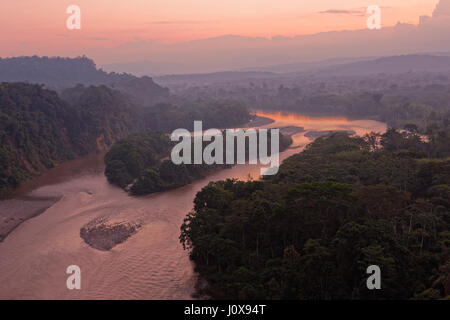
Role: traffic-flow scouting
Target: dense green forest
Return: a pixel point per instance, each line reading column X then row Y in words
column 40, row 128
column 129, row 157
column 399, row 99
column 310, row 231
column 140, row 164
column 214, row 113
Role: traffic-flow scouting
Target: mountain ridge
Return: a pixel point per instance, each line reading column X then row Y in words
column 60, row 73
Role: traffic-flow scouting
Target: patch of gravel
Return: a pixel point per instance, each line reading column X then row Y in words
column 317, row 134
column 258, row 121
column 291, row 130
column 104, row 235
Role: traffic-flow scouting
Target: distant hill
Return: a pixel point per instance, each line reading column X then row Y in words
column 394, row 64
column 279, row 53
column 349, row 66
column 59, row 73
column 210, row 78
column 308, row 66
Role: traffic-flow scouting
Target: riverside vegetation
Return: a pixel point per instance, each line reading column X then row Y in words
column 311, row 231
column 40, row 128
column 138, row 163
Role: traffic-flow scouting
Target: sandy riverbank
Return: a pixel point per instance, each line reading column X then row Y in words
column 15, row 211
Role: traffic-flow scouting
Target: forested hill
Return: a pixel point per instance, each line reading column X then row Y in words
column 39, row 130
column 57, row 72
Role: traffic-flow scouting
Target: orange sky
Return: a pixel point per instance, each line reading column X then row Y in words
column 38, row 26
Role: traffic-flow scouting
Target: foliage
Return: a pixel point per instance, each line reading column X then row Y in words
column 129, row 157
column 213, row 114
column 40, row 129
column 137, row 164
column 311, row 231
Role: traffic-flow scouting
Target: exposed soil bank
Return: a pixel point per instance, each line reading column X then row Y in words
column 15, row 211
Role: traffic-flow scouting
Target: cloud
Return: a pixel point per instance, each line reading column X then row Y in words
column 98, row 39
column 441, row 15
column 442, row 9
column 338, row 11
column 178, row 22
column 240, row 52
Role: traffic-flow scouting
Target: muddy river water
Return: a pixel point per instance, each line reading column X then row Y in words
column 149, row 265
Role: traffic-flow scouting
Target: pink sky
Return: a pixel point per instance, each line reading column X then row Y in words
column 30, row 27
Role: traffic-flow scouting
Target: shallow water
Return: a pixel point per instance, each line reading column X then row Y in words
column 149, row 265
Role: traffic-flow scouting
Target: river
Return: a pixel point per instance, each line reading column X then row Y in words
column 149, row 265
